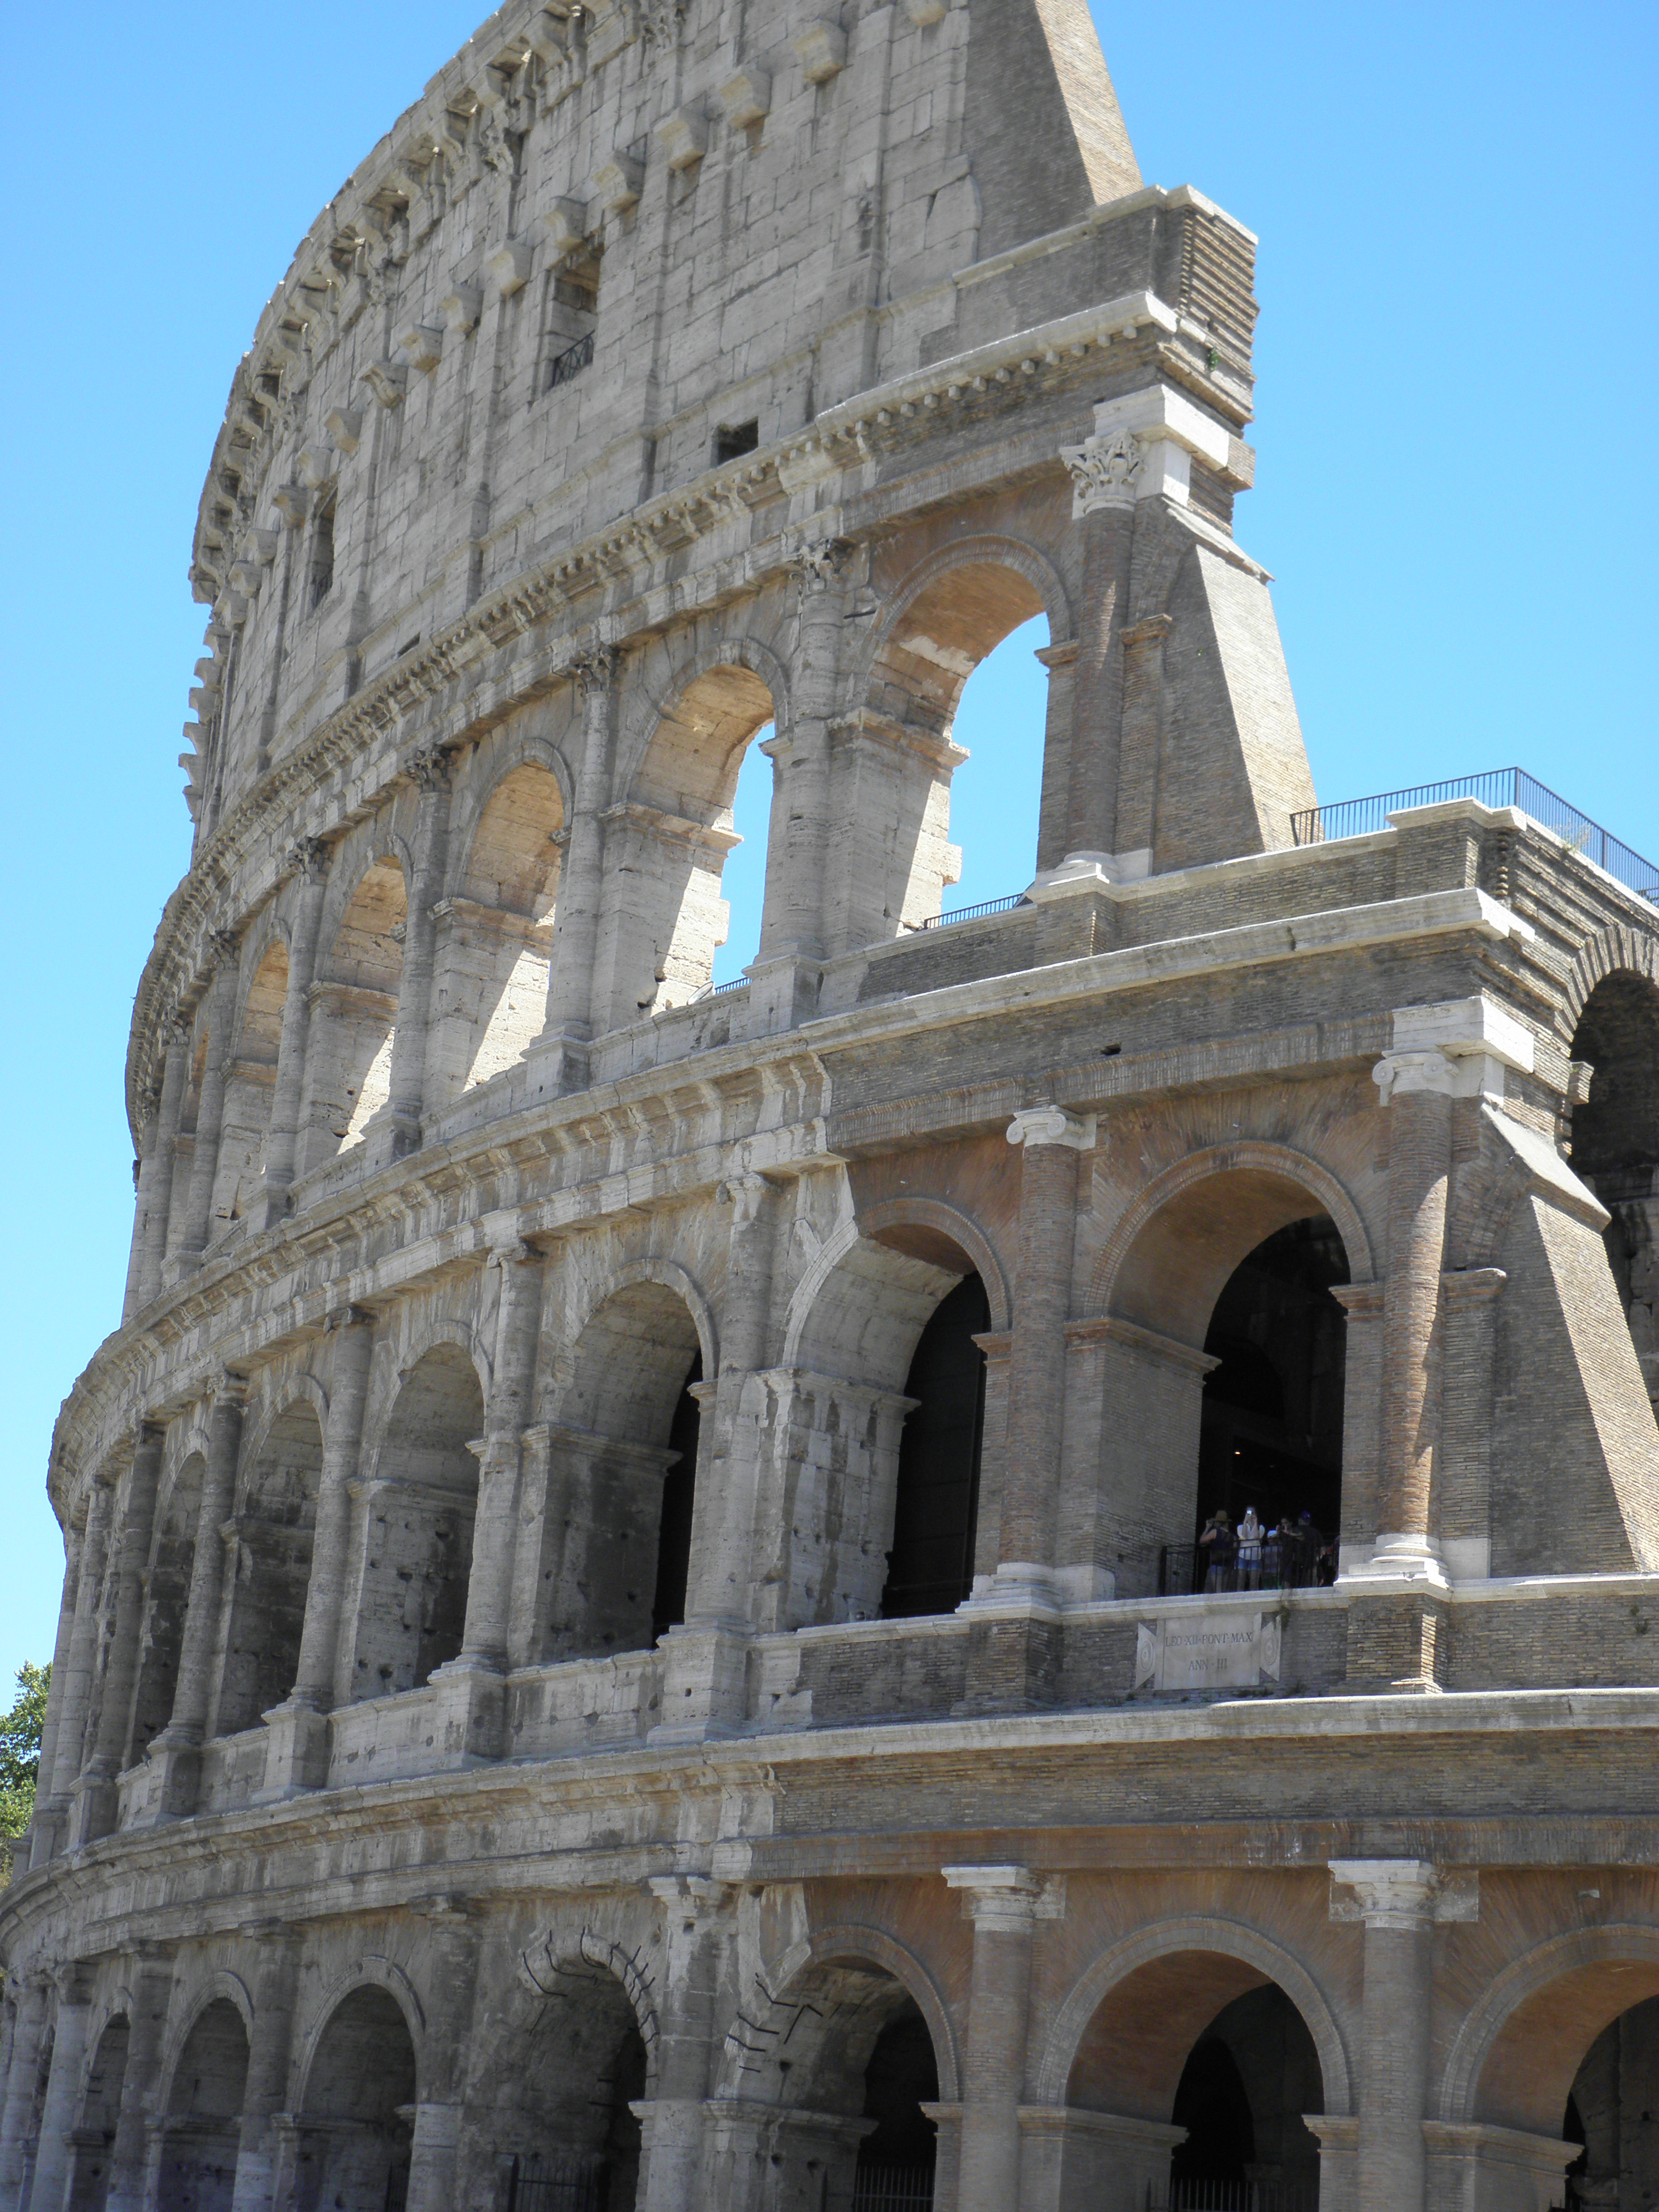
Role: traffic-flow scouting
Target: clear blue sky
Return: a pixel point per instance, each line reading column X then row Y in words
column 1456, row 471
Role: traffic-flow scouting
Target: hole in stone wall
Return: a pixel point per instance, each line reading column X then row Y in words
column 733, row 440
column 679, row 1500
column 1000, row 721
column 897, row 2160
column 931, row 1565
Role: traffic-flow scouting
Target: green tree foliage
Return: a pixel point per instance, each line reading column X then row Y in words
column 20, row 1749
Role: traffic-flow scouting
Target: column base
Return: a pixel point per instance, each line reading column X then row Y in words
column 1398, row 1645
column 175, row 1771
column 1069, row 2156
column 269, row 1208
column 432, row 2157
column 48, row 1830
column 392, row 1134
column 97, row 1808
column 671, row 2152
column 178, row 1268
column 558, row 1064
column 1399, row 1562
column 472, row 1712
column 296, row 1752
column 705, row 1684
column 783, row 992
column 1015, row 1641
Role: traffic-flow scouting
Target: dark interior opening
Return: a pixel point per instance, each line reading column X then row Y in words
column 1213, row 2107
column 1249, row 2079
column 733, row 440
column 930, row 1568
column 322, row 553
column 902, row 2076
column 1272, row 1430
column 678, row 1498
column 1613, row 2111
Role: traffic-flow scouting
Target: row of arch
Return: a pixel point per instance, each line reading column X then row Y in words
column 1195, row 2050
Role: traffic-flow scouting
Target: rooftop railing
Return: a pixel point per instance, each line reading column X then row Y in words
column 971, row 913
column 1497, row 787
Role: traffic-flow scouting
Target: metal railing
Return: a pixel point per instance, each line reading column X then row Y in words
column 1497, row 787
column 571, row 363
column 893, row 2188
column 1233, row 2197
column 971, row 913
column 1272, row 1563
column 534, row 2184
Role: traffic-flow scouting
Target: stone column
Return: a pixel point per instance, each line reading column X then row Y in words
column 68, row 2050
column 406, row 1083
column 210, row 1109
column 1140, row 735
column 703, row 1685
column 98, row 1799
column 576, row 920
column 70, row 1751
column 1002, row 1902
column 151, row 1983
column 1054, row 1141
column 269, row 2046
column 1398, row 1901
column 797, row 923
column 1059, row 731
column 310, row 863
column 1469, row 1305
column 42, row 1827
column 155, row 1176
column 297, row 1753
column 449, row 1989
column 34, row 2006
column 178, row 1747
column 490, row 1586
column 694, row 1930
column 1103, row 500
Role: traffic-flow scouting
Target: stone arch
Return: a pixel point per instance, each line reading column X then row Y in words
column 201, row 2106
column 588, row 1954
column 988, row 550
column 270, row 1571
column 250, row 1072
column 355, row 1003
column 219, row 1986
column 1618, row 949
column 1514, row 2057
column 404, row 1361
column 1275, row 1163
column 881, row 1283
column 291, row 1388
column 421, row 1504
column 473, row 799
column 896, row 1214
column 621, row 1464
column 667, row 839
column 853, row 1940
column 372, row 1970
column 360, row 2077
column 171, row 1558
column 1260, row 1959
column 651, row 706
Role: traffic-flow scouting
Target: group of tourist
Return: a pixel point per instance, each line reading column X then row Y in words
column 1291, row 1554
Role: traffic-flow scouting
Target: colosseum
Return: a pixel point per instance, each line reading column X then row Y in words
column 1004, row 1567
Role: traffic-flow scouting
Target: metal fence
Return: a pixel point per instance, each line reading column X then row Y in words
column 571, row 363
column 972, row 913
column 1233, row 2197
column 1273, row 1563
column 533, row 2184
column 1497, row 787
column 893, row 2188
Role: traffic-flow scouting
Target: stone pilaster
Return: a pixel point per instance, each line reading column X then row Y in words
column 576, row 922
column 270, row 2047
column 489, row 1589
column 151, row 1983
column 1002, row 1902
column 797, row 923
column 310, row 861
column 210, row 1111
column 1469, row 1309
column 695, row 1929
column 1398, row 1901
column 1103, row 502
column 406, row 1086
column 155, row 1175
column 96, row 1792
column 46, row 1818
column 70, row 1751
column 297, row 1754
column 68, row 2050
column 451, row 1986
column 33, row 2013
column 178, row 1747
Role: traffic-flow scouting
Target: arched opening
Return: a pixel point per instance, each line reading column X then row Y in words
column 100, row 2109
column 250, row 1084
column 743, row 878
column 1270, row 1442
column 355, row 2128
column 271, row 1570
column 830, row 2096
column 665, row 849
column 203, row 2116
column 421, row 1505
column 558, row 2126
column 495, row 936
column 618, row 1522
column 1616, row 1146
column 354, row 1014
column 930, row 1565
column 1226, row 1274
column 1613, row 2114
column 996, row 795
column 1217, row 2057
column 172, row 1557
column 879, row 1436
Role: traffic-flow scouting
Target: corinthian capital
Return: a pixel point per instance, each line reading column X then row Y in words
column 818, row 562
column 594, row 671
column 1105, row 472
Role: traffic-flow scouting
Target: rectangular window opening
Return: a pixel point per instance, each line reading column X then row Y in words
column 733, row 440
column 322, row 553
column 573, row 309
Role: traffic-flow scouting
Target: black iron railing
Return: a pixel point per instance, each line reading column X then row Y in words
column 972, row 913
column 535, row 2183
column 1272, row 1563
column 893, row 2188
column 1497, row 787
column 571, row 363
column 1233, row 2197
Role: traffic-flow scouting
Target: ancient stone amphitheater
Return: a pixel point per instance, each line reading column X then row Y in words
column 639, row 1629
